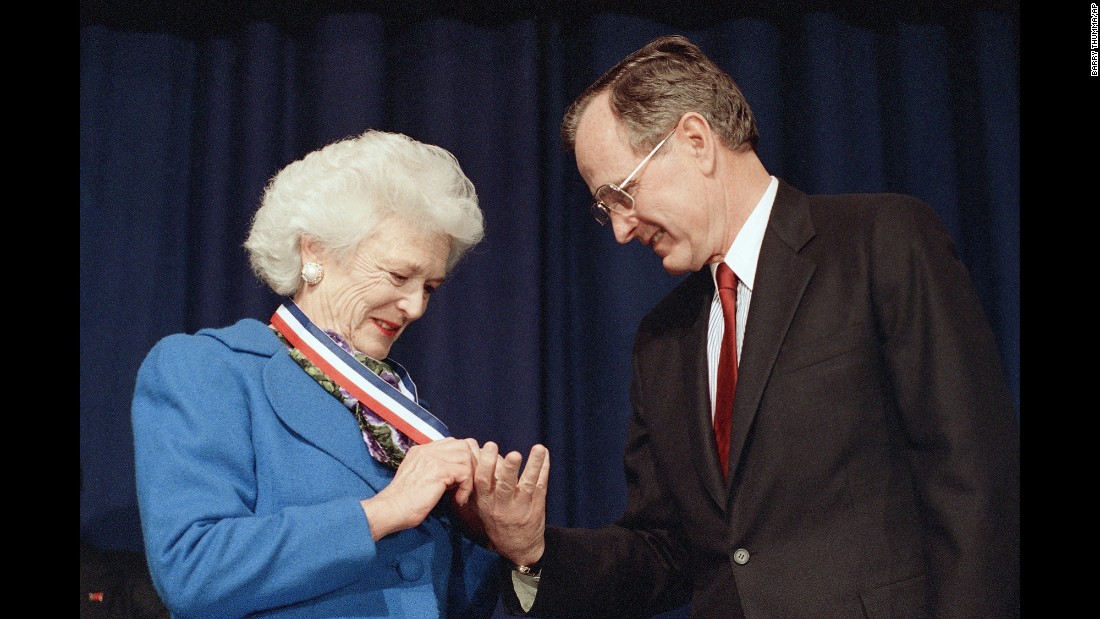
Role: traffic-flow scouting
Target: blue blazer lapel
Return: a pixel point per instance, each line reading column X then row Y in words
column 317, row 417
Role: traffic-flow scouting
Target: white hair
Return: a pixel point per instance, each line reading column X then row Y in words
column 337, row 195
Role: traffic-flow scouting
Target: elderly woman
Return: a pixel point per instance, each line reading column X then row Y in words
column 287, row 469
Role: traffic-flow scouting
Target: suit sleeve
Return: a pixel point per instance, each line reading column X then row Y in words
column 956, row 411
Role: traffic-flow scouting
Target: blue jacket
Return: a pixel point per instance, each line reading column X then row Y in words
column 249, row 482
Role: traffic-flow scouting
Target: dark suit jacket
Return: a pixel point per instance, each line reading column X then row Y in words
column 875, row 446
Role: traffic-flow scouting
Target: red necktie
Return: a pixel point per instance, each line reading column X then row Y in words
column 727, row 365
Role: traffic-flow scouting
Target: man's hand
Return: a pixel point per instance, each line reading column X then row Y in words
column 512, row 507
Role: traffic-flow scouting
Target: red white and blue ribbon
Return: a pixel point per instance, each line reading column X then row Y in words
column 339, row 365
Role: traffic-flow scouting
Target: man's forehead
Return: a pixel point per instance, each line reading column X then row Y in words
column 597, row 121
column 601, row 139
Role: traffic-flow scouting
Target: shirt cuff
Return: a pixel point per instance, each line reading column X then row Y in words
column 526, row 587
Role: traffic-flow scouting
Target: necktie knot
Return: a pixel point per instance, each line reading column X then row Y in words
column 726, row 278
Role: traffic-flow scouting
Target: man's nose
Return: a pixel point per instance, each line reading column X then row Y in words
column 624, row 225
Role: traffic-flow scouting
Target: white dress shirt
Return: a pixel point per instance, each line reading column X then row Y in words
column 741, row 257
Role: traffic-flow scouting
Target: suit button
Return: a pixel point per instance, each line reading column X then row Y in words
column 741, row 556
column 410, row 568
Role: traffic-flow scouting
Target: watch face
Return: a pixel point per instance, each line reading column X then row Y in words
column 529, row 570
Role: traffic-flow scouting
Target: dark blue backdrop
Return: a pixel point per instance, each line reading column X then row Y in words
column 185, row 112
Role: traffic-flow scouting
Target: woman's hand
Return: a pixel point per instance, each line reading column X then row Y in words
column 468, row 511
column 426, row 473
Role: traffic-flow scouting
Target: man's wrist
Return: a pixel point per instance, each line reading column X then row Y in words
column 529, row 569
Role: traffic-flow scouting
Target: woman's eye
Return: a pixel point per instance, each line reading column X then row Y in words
column 399, row 278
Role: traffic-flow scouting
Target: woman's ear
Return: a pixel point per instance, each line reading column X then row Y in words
column 310, row 250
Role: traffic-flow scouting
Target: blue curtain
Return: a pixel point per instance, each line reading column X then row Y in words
column 529, row 341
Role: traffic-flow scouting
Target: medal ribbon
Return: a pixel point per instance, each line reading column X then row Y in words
column 373, row 392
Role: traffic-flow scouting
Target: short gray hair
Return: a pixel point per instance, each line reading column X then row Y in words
column 337, row 195
column 654, row 86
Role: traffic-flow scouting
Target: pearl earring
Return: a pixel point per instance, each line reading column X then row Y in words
column 312, row 273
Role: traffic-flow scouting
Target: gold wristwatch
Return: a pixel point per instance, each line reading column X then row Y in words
column 534, row 570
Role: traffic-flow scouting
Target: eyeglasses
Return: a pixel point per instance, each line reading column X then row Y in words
column 612, row 197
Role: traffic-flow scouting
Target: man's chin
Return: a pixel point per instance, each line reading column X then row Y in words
column 675, row 267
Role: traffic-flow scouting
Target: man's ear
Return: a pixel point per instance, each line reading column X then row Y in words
column 701, row 140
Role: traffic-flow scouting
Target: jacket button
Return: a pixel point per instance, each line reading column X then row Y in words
column 741, row 556
column 410, row 568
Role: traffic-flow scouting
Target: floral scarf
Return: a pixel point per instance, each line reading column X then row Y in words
column 386, row 443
